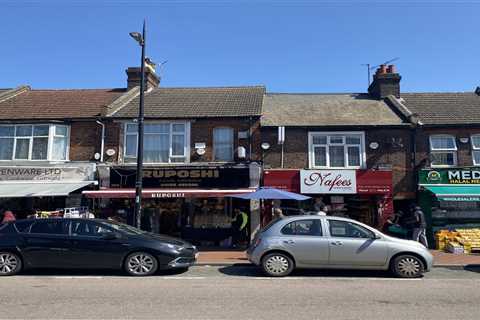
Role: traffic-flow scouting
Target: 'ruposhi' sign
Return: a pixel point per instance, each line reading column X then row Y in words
column 328, row 181
column 183, row 177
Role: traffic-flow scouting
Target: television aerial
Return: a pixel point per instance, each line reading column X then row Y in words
column 370, row 68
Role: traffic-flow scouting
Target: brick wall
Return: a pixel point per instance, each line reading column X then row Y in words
column 464, row 153
column 391, row 153
column 84, row 140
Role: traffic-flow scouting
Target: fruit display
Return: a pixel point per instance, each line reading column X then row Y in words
column 459, row 240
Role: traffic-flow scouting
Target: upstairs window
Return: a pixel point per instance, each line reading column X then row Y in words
column 223, row 144
column 34, row 142
column 476, row 149
column 336, row 150
column 163, row 142
column 443, row 151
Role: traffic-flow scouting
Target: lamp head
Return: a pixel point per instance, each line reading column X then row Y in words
column 137, row 36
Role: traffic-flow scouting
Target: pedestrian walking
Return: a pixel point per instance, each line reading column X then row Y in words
column 278, row 214
column 322, row 211
column 420, row 227
column 239, row 227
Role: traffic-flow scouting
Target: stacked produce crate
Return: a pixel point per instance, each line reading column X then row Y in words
column 459, row 240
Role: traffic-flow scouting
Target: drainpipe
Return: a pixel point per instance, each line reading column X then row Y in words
column 102, row 146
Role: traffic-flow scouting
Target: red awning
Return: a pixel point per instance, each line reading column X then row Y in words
column 116, row 193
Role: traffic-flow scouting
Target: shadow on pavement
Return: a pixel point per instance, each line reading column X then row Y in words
column 472, row 268
column 252, row 271
column 90, row 273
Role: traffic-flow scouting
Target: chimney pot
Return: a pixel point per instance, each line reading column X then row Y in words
column 382, row 69
column 392, row 69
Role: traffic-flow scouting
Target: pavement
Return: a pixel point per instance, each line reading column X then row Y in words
column 240, row 292
column 230, row 257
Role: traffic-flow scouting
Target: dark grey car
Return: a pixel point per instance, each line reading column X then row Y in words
column 334, row 243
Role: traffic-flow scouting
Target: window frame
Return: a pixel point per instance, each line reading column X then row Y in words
column 68, row 234
column 373, row 234
column 32, row 136
column 475, row 149
column 433, row 151
column 102, row 225
column 186, row 148
column 232, row 147
column 344, row 135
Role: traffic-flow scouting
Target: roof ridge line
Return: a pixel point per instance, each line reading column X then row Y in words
column 13, row 93
column 119, row 103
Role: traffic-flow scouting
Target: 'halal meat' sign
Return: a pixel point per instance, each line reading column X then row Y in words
column 328, row 181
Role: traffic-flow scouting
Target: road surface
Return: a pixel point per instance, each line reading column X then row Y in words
column 236, row 292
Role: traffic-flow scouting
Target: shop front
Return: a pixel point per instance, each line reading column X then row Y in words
column 188, row 202
column 363, row 195
column 29, row 189
column 450, row 198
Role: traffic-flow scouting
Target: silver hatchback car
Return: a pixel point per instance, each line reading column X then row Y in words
column 334, row 243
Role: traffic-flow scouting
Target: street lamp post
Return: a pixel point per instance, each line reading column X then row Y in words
column 140, row 38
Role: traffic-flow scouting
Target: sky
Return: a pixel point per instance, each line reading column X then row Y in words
column 286, row 45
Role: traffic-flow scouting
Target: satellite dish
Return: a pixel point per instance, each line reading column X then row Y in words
column 265, row 146
column 110, row 152
column 201, row 151
column 96, row 156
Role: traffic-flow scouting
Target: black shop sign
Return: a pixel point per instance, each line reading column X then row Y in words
column 185, row 177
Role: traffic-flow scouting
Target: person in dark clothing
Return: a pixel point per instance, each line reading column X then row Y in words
column 239, row 226
column 420, row 227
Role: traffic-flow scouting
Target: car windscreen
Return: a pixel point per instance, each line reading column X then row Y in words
column 125, row 228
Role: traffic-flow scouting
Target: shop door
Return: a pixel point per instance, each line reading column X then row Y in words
column 305, row 241
column 352, row 244
column 47, row 245
column 92, row 249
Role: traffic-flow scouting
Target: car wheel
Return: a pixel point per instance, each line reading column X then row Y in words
column 407, row 266
column 277, row 264
column 10, row 264
column 141, row 264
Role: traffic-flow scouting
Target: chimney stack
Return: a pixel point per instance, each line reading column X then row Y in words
column 134, row 77
column 386, row 81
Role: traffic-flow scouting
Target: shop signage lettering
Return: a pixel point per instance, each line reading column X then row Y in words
column 54, row 173
column 209, row 173
column 168, row 195
column 183, row 177
column 450, row 176
column 328, row 181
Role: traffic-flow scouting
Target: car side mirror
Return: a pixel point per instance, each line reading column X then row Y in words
column 376, row 237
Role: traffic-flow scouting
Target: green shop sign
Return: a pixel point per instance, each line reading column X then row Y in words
column 450, row 176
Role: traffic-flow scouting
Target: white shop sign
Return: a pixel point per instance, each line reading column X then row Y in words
column 328, row 181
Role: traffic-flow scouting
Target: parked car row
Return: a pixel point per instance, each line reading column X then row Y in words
column 283, row 245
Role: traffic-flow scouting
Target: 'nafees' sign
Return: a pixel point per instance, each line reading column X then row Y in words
column 328, row 181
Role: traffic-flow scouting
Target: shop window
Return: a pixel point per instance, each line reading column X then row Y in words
column 34, row 142
column 345, row 229
column 476, row 149
column 443, row 151
column 163, row 142
column 223, row 144
column 303, row 228
column 336, row 150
